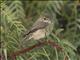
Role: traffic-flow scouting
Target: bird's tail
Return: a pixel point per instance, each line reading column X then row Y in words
column 24, row 41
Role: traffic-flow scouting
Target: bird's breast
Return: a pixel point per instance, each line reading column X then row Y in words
column 41, row 33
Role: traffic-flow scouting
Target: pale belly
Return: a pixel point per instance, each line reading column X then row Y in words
column 39, row 34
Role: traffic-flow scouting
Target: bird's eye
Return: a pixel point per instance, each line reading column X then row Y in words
column 45, row 18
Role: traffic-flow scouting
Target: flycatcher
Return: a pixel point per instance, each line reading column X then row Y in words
column 40, row 29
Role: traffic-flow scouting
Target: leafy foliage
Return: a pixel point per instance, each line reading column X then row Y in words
column 16, row 16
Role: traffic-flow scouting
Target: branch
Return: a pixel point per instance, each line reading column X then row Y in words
column 22, row 51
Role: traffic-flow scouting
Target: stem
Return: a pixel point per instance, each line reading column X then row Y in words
column 22, row 51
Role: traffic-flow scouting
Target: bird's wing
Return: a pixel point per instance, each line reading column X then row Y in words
column 36, row 26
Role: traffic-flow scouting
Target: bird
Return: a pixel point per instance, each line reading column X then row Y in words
column 40, row 29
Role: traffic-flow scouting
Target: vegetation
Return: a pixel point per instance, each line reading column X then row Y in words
column 19, row 16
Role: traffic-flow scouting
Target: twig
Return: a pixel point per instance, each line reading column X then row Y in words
column 22, row 51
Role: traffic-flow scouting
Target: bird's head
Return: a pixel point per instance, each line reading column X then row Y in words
column 45, row 19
